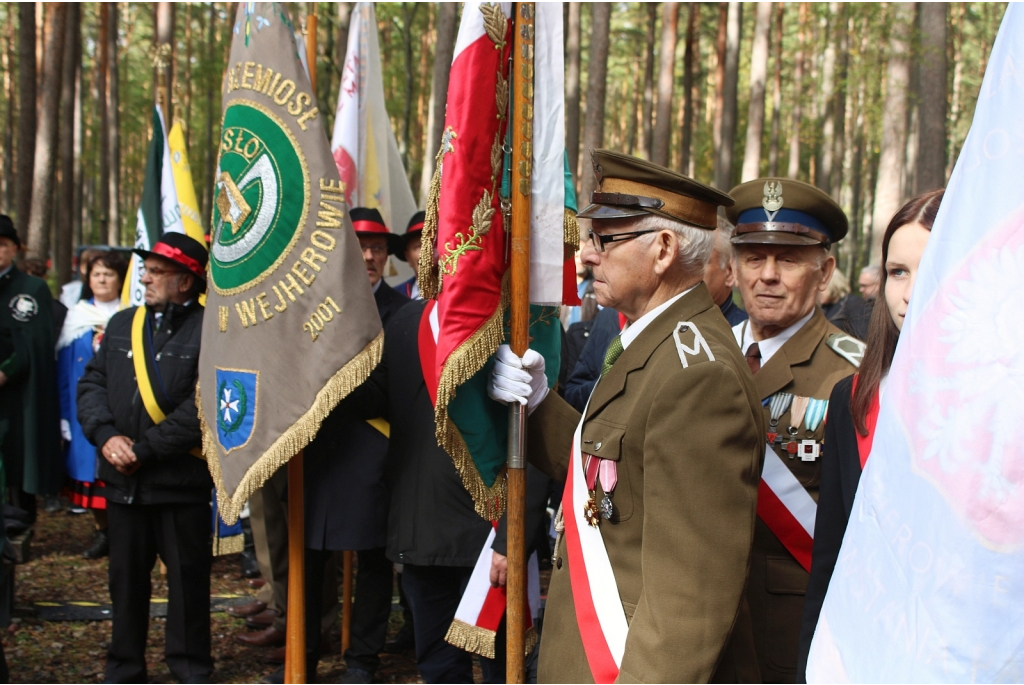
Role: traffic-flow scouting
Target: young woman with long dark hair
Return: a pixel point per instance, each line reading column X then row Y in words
column 853, row 406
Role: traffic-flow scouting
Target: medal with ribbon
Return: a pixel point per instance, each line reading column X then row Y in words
column 777, row 406
column 605, row 472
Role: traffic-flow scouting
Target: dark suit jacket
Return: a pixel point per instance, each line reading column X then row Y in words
column 431, row 518
column 346, row 498
column 840, row 475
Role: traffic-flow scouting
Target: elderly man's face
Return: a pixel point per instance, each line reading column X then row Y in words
column 165, row 282
column 780, row 283
column 8, row 250
column 868, row 283
column 375, row 256
column 624, row 276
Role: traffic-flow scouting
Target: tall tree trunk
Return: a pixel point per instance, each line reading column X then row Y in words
column 188, row 71
column 208, row 150
column 688, row 100
column 773, row 149
column 444, row 49
column 723, row 159
column 102, row 97
column 572, row 89
column 823, row 171
column 647, row 111
column 842, row 86
column 662, row 138
column 78, row 141
column 597, row 79
column 26, row 115
column 931, row 149
column 164, row 70
column 344, row 17
column 9, row 95
column 41, row 213
column 720, row 43
column 888, row 193
column 408, row 17
column 958, row 11
column 758, row 79
column 113, row 147
column 798, row 78
column 64, row 226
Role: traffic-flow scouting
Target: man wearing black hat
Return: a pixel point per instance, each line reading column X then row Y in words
column 783, row 232
column 410, row 254
column 29, row 426
column 346, row 496
column 136, row 402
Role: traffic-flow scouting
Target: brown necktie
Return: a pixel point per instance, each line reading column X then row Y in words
column 754, row 358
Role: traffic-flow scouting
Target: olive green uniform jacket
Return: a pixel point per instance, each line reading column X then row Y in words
column 806, row 366
column 689, row 444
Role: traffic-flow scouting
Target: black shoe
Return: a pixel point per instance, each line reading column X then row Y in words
column 275, row 678
column 100, row 546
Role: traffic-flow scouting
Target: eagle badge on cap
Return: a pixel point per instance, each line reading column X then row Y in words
column 772, row 201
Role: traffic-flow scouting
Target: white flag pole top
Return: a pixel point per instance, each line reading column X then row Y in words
column 363, row 144
column 929, row 586
column 547, row 195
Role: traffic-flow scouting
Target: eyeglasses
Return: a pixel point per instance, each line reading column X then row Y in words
column 599, row 241
column 375, row 249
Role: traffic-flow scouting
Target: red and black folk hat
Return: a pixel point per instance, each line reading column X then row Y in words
column 415, row 230
column 368, row 223
column 180, row 249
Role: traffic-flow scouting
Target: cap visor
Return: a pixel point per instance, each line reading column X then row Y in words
column 610, row 212
column 775, row 238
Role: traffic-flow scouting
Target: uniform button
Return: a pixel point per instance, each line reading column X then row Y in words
column 558, row 562
column 597, row 446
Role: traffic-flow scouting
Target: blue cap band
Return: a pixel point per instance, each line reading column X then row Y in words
column 757, row 215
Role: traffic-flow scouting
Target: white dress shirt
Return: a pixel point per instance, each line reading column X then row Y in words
column 768, row 346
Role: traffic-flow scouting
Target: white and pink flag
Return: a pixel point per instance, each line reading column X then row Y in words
column 363, row 144
column 929, row 584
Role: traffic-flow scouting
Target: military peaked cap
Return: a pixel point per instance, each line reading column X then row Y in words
column 629, row 186
column 781, row 211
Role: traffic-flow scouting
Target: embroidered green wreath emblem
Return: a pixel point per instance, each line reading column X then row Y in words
column 233, row 425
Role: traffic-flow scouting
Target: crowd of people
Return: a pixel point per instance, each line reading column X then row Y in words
column 715, row 335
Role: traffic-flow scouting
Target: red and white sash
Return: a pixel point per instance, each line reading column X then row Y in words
column 482, row 607
column 786, row 508
column 599, row 613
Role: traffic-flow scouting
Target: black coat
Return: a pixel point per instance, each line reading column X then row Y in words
column 346, row 498
column 850, row 313
column 583, row 376
column 431, row 520
column 840, row 475
column 109, row 404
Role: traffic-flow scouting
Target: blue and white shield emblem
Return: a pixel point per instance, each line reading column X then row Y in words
column 236, row 406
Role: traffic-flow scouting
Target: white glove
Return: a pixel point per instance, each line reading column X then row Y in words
column 518, row 380
column 65, row 430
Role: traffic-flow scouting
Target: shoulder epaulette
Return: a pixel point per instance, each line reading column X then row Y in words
column 847, row 347
column 690, row 343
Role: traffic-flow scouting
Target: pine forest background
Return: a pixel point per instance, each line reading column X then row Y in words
column 870, row 102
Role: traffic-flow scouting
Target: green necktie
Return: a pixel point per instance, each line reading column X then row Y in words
column 613, row 353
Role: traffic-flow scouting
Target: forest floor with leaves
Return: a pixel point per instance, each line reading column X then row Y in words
column 75, row 651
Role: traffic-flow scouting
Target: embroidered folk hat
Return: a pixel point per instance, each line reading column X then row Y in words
column 180, row 249
column 368, row 222
column 781, row 211
column 629, row 186
column 7, row 229
column 415, row 230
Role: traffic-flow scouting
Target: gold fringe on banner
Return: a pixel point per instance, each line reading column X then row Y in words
column 426, row 271
column 570, row 232
column 233, row 544
column 288, row 444
column 461, row 365
column 480, row 640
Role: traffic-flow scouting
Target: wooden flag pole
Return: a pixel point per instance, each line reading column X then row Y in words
column 295, row 639
column 521, row 121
